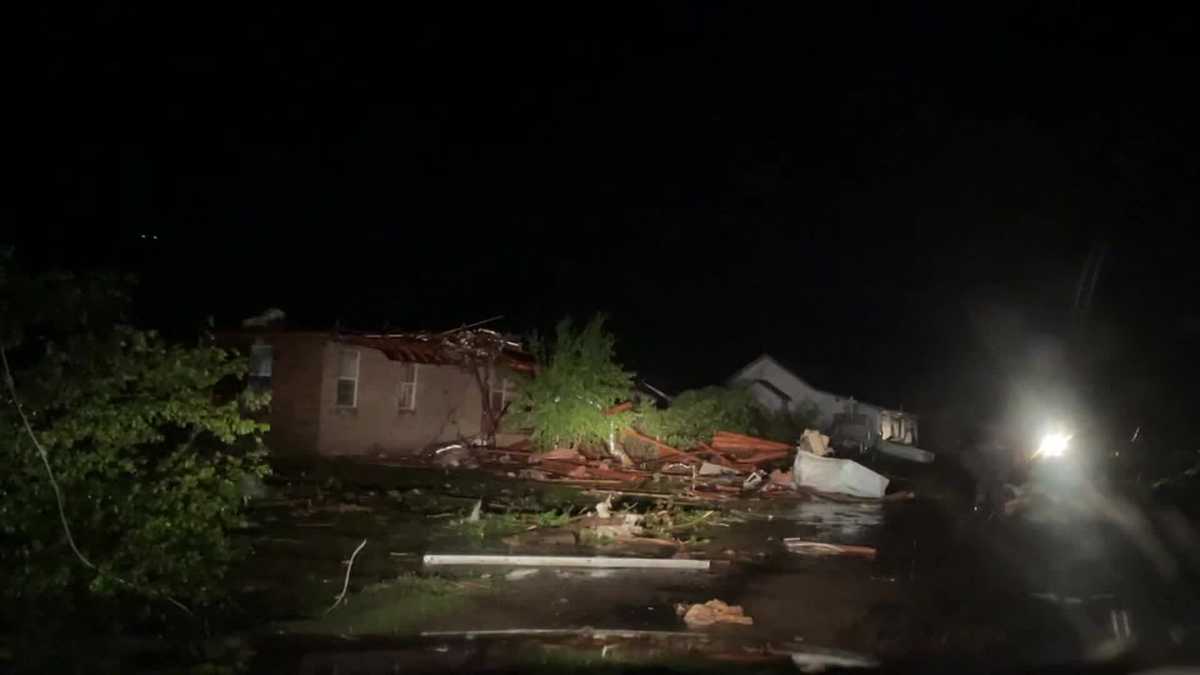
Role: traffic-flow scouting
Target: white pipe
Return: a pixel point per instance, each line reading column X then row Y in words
column 599, row 633
column 565, row 561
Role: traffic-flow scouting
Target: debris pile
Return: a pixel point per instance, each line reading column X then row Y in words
column 731, row 465
column 703, row 615
column 844, row 476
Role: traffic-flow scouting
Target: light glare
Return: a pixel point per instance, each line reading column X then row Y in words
column 1053, row 445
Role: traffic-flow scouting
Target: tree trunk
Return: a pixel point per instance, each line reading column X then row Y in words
column 490, row 421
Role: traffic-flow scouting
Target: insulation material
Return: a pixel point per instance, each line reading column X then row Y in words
column 844, row 476
column 815, row 442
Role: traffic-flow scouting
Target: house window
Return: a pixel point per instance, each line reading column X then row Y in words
column 347, row 380
column 261, row 358
column 408, row 386
column 501, row 393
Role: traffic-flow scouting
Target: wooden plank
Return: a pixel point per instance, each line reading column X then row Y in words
column 728, row 440
column 795, row 545
column 435, row 559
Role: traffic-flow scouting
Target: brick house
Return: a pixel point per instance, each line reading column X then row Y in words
column 357, row 394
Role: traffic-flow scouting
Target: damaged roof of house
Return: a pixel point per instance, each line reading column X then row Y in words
column 452, row 348
column 455, row 347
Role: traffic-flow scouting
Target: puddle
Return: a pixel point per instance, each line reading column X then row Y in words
column 829, row 518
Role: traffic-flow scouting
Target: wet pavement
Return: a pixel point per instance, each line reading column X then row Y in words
column 949, row 587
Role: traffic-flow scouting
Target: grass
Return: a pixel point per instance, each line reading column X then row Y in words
column 625, row 657
column 679, row 522
column 498, row 525
column 402, row 606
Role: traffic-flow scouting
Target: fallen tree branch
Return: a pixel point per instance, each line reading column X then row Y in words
column 346, row 584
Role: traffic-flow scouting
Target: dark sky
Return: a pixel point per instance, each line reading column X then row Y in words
column 898, row 200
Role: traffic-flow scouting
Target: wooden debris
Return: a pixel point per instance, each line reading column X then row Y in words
column 620, row 408
column 564, row 454
column 702, row 615
column 754, row 461
column 727, row 440
column 819, row 548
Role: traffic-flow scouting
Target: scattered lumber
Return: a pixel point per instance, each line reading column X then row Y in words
column 729, row 441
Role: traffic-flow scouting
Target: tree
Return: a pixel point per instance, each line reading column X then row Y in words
column 578, row 381
column 123, row 465
column 694, row 415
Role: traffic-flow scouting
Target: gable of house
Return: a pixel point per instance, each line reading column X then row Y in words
column 777, row 388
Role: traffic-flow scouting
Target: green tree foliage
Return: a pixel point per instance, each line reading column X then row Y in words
column 578, row 380
column 785, row 426
column 694, row 415
column 149, row 459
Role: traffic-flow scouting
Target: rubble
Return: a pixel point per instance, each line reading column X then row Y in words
column 708, row 469
column 625, row 525
column 732, row 465
column 815, row 442
column 782, row 479
column 754, row 480
column 740, row 443
column 703, row 615
column 604, row 508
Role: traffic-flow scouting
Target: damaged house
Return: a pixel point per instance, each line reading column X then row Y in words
column 846, row 420
column 338, row 393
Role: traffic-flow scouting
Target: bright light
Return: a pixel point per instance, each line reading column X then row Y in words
column 1053, row 445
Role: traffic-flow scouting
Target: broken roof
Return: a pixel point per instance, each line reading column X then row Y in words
column 456, row 347
column 742, row 375
column 453, row 347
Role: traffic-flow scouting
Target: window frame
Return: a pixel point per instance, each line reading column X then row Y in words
column 339, row 377
column 253, row 376
column 400, row 388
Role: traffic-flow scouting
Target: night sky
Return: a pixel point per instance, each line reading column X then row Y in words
column 897, row 201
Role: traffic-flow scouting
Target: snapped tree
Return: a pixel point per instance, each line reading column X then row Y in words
column 123, row 467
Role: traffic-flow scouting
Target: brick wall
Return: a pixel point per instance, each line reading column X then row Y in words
column 448, row 406
column 295, row 392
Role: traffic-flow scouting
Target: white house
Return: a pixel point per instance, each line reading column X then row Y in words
column 777, row 388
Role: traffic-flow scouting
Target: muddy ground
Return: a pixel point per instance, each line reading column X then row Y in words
column 950, row 587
